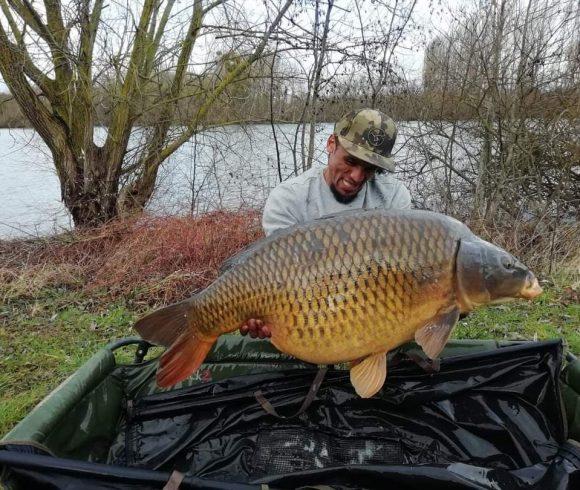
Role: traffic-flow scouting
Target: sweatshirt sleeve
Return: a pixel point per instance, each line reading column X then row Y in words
column 279, row 211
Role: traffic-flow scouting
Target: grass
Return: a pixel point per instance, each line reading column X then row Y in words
column 552, row 315
column 64, row 299
column 43, row 341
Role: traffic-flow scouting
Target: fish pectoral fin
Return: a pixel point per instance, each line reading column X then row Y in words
column 433, row 336
column 182, row 359
column 368, row 375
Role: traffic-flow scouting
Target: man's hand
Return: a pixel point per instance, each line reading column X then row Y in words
column 255, row 328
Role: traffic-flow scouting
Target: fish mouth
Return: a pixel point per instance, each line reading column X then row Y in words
column 532, row 288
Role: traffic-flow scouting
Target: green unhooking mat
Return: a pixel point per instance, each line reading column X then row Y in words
column 495, row 415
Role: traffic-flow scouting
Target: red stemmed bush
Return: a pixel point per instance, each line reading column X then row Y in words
column 150, row 259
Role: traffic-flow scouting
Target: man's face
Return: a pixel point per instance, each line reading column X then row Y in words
column 345, row 174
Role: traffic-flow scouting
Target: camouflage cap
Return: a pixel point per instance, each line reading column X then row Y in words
column 368, row 134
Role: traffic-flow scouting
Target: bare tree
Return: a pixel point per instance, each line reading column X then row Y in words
column 504, row 95
column 57, row 58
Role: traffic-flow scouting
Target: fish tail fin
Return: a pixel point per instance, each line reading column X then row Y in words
column 165, row 325
column 173, row 327
column 182, row 359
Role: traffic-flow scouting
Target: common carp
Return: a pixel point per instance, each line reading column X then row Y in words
column 345, row 288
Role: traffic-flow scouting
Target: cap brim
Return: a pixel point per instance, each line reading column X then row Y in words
column 366, row 155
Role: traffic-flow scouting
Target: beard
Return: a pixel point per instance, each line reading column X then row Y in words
column 340, row 198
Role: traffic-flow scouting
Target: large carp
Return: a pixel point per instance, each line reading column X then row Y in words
column 344, row 288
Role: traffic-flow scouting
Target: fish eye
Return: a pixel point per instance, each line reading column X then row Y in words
column 507, row 263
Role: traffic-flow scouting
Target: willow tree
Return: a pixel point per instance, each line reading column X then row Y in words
column 60, row 59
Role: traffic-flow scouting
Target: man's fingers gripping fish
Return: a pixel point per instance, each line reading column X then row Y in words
column 345, row 288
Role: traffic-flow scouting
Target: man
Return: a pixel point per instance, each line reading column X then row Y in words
column 359, row 155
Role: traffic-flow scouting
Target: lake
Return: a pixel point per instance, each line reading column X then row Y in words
column 230, row 167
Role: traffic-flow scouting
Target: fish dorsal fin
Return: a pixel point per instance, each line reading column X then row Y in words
column 368, row 376
column 433, row 336
column 254, row 246
column 240, row 256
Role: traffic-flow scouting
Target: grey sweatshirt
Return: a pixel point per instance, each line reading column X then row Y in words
column 308, row 197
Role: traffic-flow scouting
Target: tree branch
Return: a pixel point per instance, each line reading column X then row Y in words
column 44, row 83
column 30, row 17
column 156, row 40
column 50, row 128
column 88, row 35
column 228, row 79
column 121, row 121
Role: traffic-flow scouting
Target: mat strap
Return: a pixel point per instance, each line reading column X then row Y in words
column 310, row 396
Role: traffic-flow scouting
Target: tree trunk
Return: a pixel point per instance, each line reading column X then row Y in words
column 90, row 197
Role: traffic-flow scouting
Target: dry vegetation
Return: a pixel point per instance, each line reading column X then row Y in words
column 148, row 259
column 65, row 297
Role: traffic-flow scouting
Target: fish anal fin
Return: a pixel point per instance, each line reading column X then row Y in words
column 368, row 375
column 182, row 359
column 433, row 336
column 165, row 325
